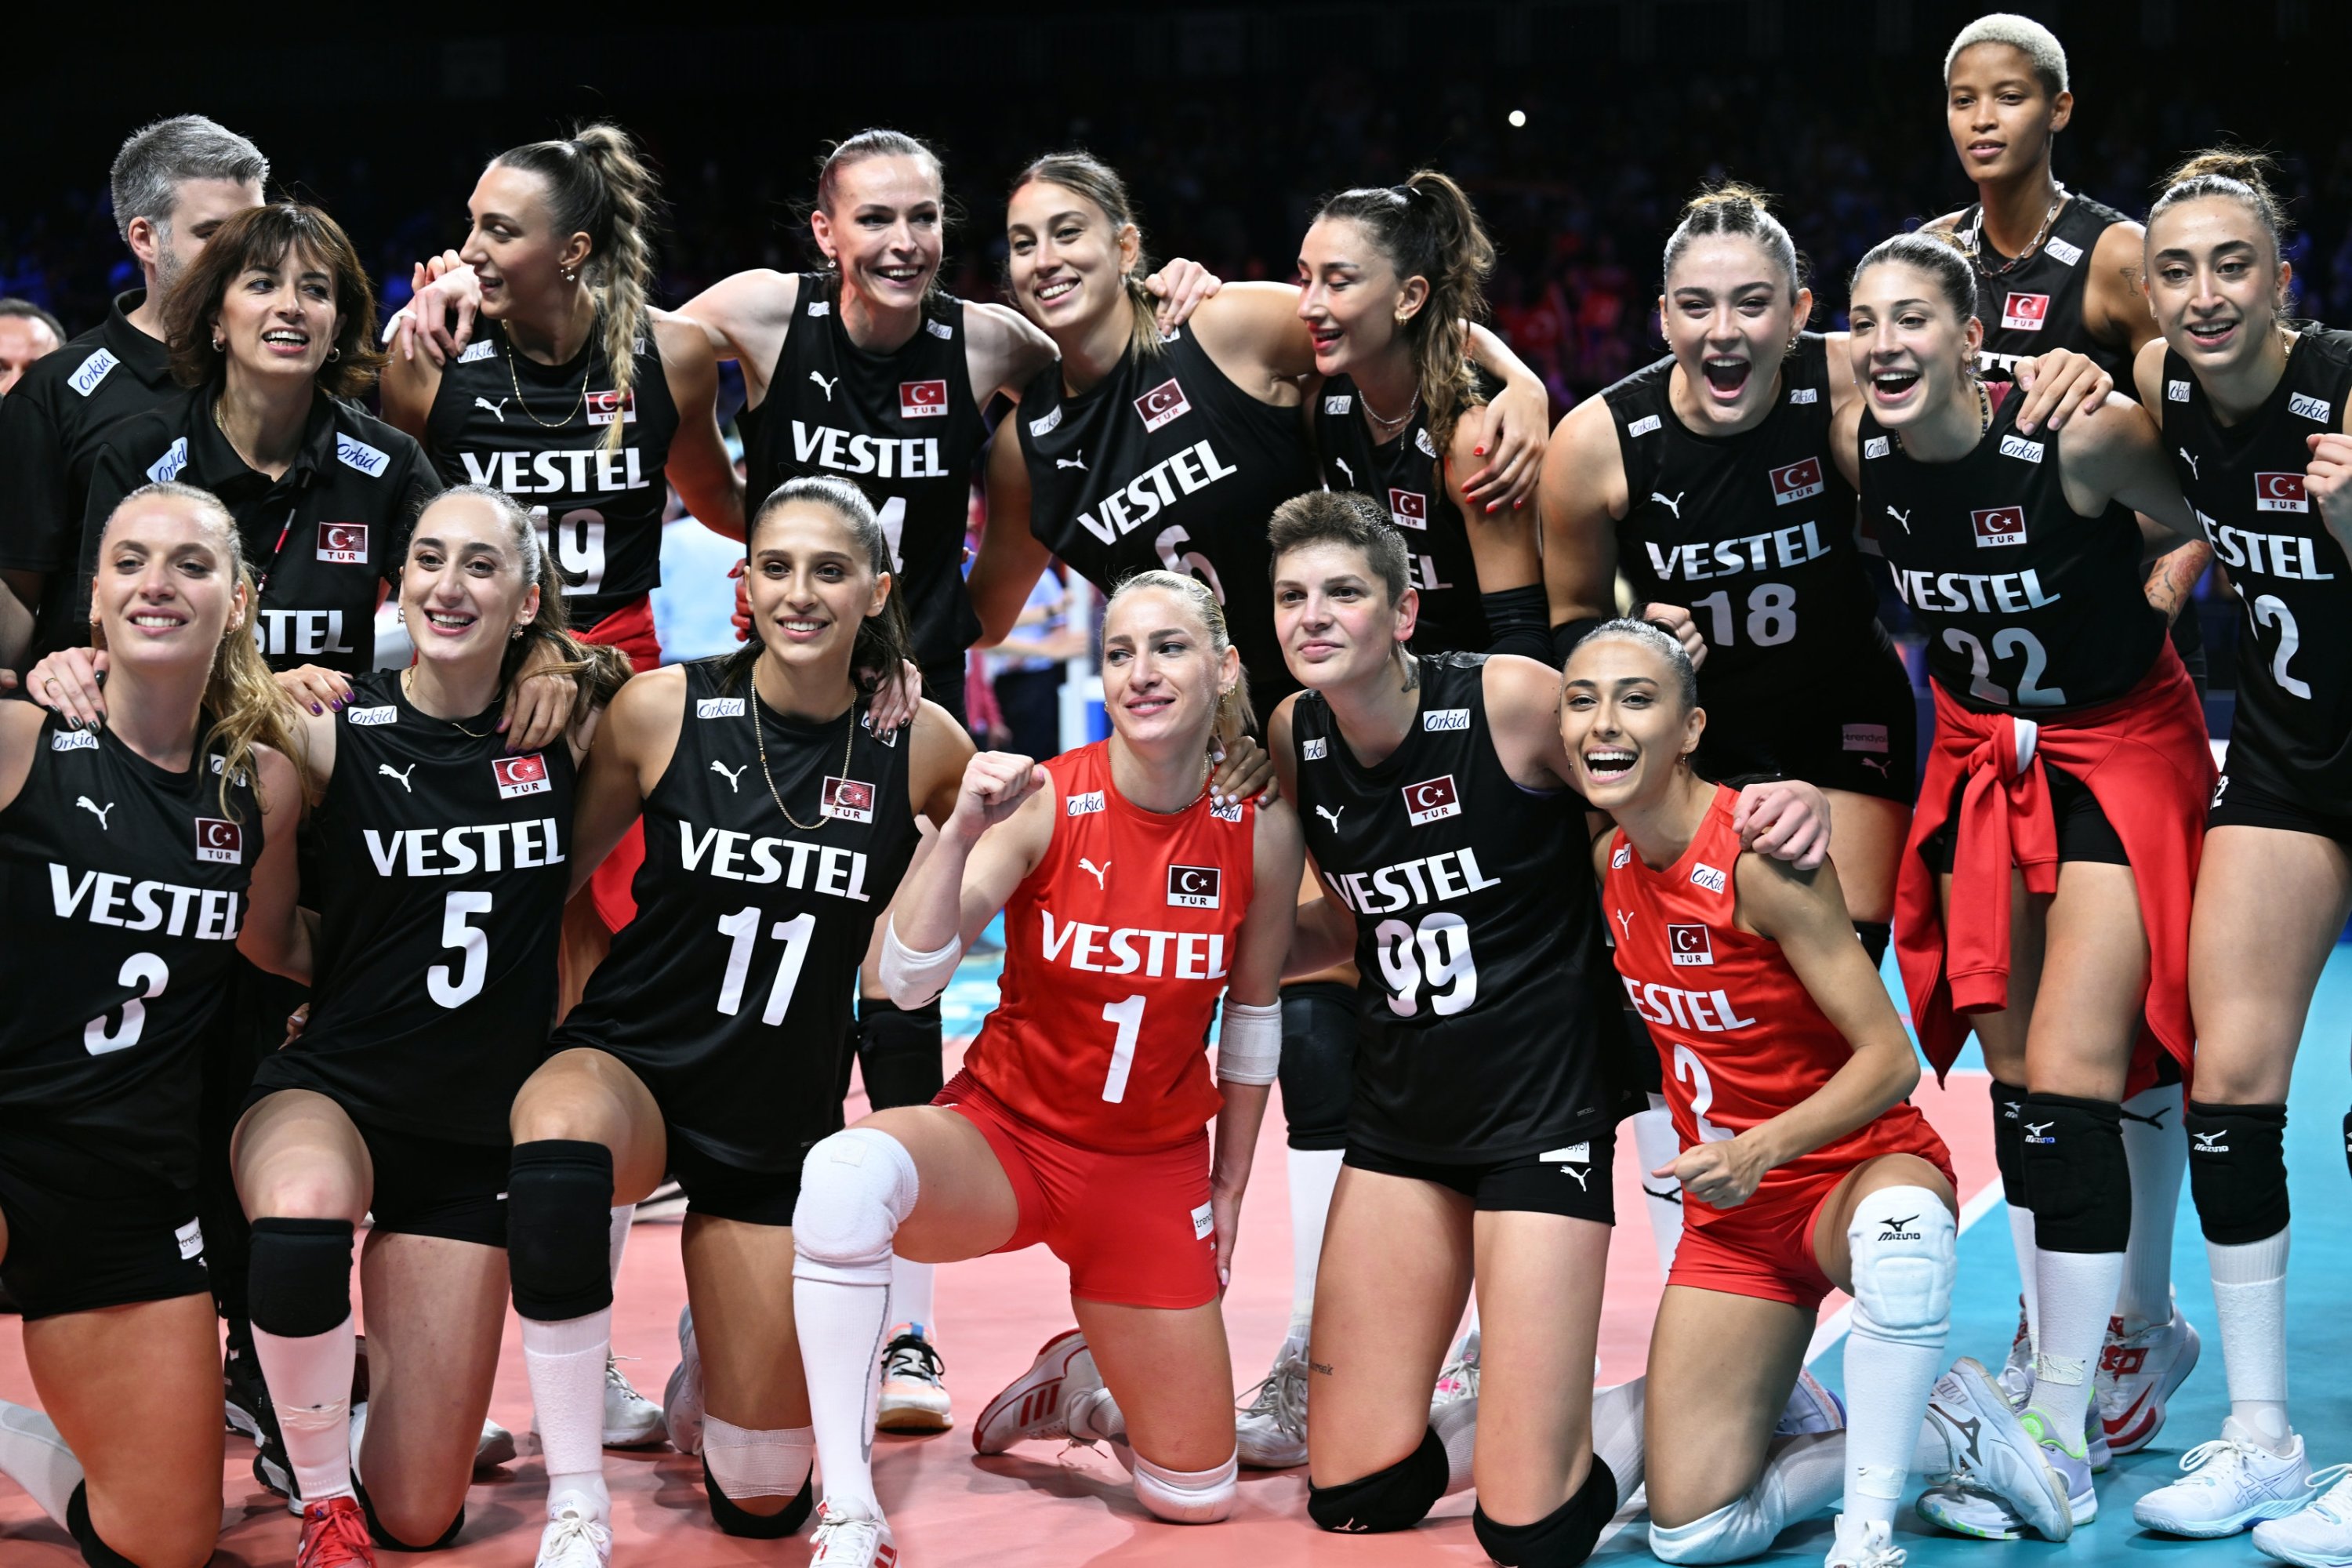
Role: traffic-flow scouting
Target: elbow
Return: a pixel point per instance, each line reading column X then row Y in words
column 277, row 952
column 1904, row 1078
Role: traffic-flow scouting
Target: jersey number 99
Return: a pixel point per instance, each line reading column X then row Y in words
column 1436, row 955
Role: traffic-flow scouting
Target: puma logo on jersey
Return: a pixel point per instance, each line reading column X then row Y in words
column 498, row 409
column 1885, row 765
column 1626, row 921
column 401, row 775
column 1583, row 1177
column 1078, row 462
column 1675, row 506
column 1899, row 1229
column 1097, row 872
column 732, row 775
column 2190, row 458
column 1328, row 815
column 2039, row 1133
column 1569, row 1160
column 96, row 811
column 1342, row 464
column 828, row 385
column 1901, row 517
column 2207, row 1143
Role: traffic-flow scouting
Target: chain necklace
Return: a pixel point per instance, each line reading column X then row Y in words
column 516, row 382
column 1393, row 426
column 1972, row 238
column 759, row 738
column 408, row 689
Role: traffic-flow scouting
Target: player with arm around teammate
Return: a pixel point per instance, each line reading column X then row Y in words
column 1803, row 1166
column 135, row 860
column 1132, row 899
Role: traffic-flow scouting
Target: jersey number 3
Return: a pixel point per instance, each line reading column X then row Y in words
column 151, row 975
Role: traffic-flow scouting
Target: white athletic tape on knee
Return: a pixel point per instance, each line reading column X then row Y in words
column 856, row 1187
column 1738, row 1529
column 1249, row 1042
column 1903, row 1247
column 1187, row 1497
column 912, row 978
column 748, row 1464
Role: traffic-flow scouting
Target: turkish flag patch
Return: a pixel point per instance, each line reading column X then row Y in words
column 519, row 777
column 345, row 543
column 923, row 400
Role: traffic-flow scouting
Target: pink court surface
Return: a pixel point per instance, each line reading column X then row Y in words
column 1042, row 1503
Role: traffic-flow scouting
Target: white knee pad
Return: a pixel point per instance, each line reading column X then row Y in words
column 1738, row 1529
column 856, row 1188
column 1902, row 1243
column 748, row 1464
column 1188, row 1497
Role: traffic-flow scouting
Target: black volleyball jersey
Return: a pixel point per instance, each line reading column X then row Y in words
column 1481, row 1001
column 903, row 425
column 2037, row 305
column 123, row 887
column 729, row 994
column 2294, row 725
column 439, row 863
column 1753, row 533
column 2029, row 607
column 1167, row 463
column 325, row 539
column 602, row 506
column 1406, row 475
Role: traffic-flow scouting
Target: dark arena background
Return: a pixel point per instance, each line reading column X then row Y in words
column 1578, row 130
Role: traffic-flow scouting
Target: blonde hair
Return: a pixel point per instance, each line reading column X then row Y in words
column 1234, row 716
column 2029, row 38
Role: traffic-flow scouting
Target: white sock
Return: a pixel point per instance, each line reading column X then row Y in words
column 1186, row 1496
column 310, row 1382
column 1802, row 1476
column 2078, row 1294
column 840, row 1328
column 1313, row 1174
column 1098, row 1416
column 910, row 1296
column 2249, row 1299
column 1887, row 1383
column 1617, row 1417
column 2021, row 1237
column 1456, row 1421
column 565, row 1362
column 32, row 1456
column 616, row 1238
column 1655, row 1143
column 2157, row 1149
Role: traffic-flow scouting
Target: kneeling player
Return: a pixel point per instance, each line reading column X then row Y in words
column 1786, row 1069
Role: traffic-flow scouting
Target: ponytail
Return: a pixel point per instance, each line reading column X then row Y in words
column 1428, row 229
column 1086, row 176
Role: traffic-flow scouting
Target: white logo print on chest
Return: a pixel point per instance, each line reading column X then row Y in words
column 399, row 775
column 2190, row 458
column 1078, row 462
column 1342, row 464
column 828, row 385
column 1675, row 506
column 92, row 807
column 1901, row 517
column 729, row 775
column 1097, row 872
column 498, row 409
column 1329, row 815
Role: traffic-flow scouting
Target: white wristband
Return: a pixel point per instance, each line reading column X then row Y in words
column 1249, row 1042
column 914, row 978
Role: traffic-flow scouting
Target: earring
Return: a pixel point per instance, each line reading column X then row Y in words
column 570, row 276
column 334, row 355
column 516, row 634
column 218, row 342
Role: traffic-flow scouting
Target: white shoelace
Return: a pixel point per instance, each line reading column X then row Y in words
column 1282, row 1396
column 2334, row 1503
column 849, row 1535
column 2217, row 1460
column 569, row 1532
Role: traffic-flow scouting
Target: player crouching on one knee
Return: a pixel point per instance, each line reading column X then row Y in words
column 1803, row 1166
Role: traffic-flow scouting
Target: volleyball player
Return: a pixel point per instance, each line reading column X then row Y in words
column 440, row 865
column 139, row 856
column 778, row 824
column 2069, row 744
column 1803, row 1165
column 2253, row 414
column 1081, row 1117
column 2063, row 271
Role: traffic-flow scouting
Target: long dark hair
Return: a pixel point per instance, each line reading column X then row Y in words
column 884, row 640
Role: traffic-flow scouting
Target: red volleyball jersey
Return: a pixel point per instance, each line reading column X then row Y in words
column 1115, row 952
column 1739, row 1039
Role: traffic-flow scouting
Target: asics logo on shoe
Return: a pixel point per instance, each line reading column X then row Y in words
column 2039, row 1133
column 2205, row 1144
column 1895, row 1230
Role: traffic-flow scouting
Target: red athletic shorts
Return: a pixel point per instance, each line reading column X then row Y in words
column 1765, row 1247
column 1133, row 1227
column 629, row 629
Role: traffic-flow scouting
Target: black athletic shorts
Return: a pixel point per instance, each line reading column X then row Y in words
column 2083, row 831
column 1320, row 1020
column 729, row 1192
column 85, row 1233
column 2242, row 802
column 1571, row 1180
column 430, row 1186
column 1862, row 737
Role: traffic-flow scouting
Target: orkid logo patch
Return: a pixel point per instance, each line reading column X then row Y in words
column 851, row 800
column 1797, row 481
column 2280, row 492
column 343, row 543
column 2025, row 312
column 923, row 400
column 519, row 777
column 219, row 840
column 1999, row 525
column 1689, row 945
column 1162, row 404
column 1194, row 886
column 1085, row 804
column 1409, row 507
column 1431, row 800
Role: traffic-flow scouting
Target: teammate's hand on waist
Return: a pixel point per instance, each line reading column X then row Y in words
column 1517, row 421
column 1243, row 769
column 538, row 705
column 1179, row 286
column 314, row 687
column 2328, row 479
column 994, row 785
column 1721, row 1176
column 68, row 682
column 898, row 699
column 2052, row 386
column 296, row 1022
column 1788, row 819
column 1676, row 621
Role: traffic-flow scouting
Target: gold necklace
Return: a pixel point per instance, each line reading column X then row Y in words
column 408, row 689
column 760, row 739
column 516, row 382
column 1984, row 409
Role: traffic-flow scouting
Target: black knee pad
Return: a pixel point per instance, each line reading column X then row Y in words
column 898, row 1052
column 1319, row 1062
column 2237, row 1170
column 733, row 1520
column 559, row 1228
column 1876, row 937
column 300, row 1280
column 2009, row 1139
column 2077, row 1180
column 94, row 1552
column 1563, row 1538
column 1395, row 1499
column 1649, row 1073
column 390, row 1542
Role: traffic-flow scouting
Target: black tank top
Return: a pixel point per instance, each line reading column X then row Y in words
column 2037, row 305
column 729, row 994
column 1488, row 1027
column 603, row 507
column 1167, row 463
column 438, row 863
column 1406, row 475
column 123, row 890
column 1753, row 533
column 903, row 425
column 2029, row 607
column 2294, row 725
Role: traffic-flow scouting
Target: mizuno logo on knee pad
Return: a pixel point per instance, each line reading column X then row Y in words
column 2039, row 1133
column 2205, row 1144
column 1896, row 1230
